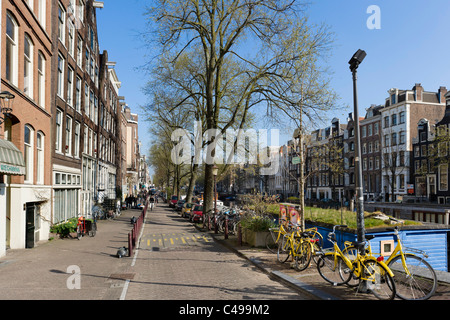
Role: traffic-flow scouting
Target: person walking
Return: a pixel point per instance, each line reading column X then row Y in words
column 152, row 202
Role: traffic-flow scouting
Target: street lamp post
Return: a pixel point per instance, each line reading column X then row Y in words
column 354, row 62
column 6, row 102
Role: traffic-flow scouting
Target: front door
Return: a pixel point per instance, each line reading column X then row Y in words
column 30, row 227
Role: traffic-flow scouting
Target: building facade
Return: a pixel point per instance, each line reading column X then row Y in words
column 26, row 55
column 371, row 153
column 403, row 110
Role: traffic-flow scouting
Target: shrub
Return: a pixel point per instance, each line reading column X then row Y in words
column 257, row 223
column 65, row 228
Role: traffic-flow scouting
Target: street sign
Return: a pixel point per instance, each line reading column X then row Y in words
column 296, row 160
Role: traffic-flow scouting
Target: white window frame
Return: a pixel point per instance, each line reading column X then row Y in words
column 28, row 66
column 40, row 147
column 61, row 24
column 58, row 138
column 60, row 76
column 68, row 144
column 29, row 155
column 77, row 132
column 13, row 46
column 41, row 79
column 70, row 84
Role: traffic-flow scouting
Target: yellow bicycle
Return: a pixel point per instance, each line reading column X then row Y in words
column 415, row 278
column 301, row 246
column 273, row 238
column 337, row 269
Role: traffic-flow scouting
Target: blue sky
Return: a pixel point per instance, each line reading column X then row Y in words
column 412, row 46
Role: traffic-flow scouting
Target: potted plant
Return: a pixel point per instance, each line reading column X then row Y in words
column 255, row 229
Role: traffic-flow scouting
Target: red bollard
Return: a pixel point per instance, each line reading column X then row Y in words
column 226, row 227
column 130, row 245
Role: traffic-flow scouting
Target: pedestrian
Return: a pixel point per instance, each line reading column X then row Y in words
column 152, row 202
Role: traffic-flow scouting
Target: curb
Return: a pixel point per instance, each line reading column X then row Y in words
column 311, row 291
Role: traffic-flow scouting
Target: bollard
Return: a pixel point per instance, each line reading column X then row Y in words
column 226, row 227
column 130, row 245
column 239, row 235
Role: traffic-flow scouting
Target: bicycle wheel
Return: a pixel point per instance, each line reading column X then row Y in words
column 420, row 284
column 302, row 256
column 333, row 269
column 79, row 233
column 378, row 280
column 270, row 244
column 284, row 251
column 351, row 253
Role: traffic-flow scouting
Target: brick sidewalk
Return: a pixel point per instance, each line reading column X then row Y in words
column 308, row 280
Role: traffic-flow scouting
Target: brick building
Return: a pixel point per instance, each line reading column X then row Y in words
column 399, row 118
column 26, row 55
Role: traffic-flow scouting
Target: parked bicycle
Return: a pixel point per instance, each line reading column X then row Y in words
column 337, row 269
column 86, row 227
column 415, row 278
column 300, row 245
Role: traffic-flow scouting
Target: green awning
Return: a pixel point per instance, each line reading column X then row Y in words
column 11, row 159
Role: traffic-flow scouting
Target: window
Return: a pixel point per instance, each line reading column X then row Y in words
column 402, row 117
column 402, row 137
column 443, row 177
column 86, row 99
column 28, row 153
column 60, row 79
column 386, row 121
column 40, row 158
column 78, row 94
column 28, row 67
column 81, row 10
column 416, row 151
column 41, row 80
column 377, row 146
column 423, row 151
column 42, row 13
column 364, row 131
column 394, row 120
column 68, row 146
column 402, row 158
column 80, row 52
column 11, row 55
column 91, row 105
column 71, row 40
column 394, row 138
column 76, row 147
column 386, row 140
column 393, row 99
column 375, row 128
column 70, row 86
column 85, row 140
column 61, row 24
column 58, row 130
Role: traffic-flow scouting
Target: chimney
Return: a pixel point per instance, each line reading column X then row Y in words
column 418, row 90
column 442, row 92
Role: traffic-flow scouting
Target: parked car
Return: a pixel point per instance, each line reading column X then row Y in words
column 173, row 201
column 196, row 214
column 179, row 205
column 186, row 209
